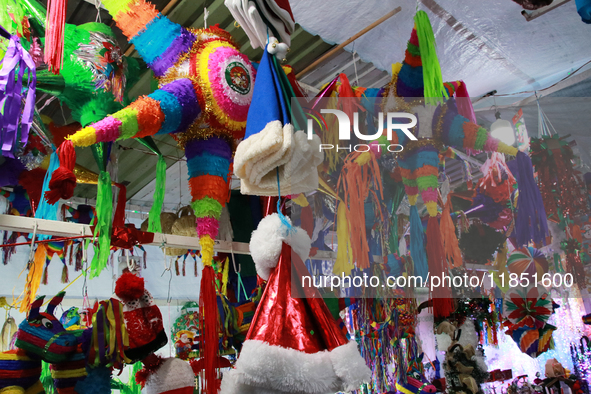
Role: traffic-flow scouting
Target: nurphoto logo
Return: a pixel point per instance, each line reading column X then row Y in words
column 393, row 120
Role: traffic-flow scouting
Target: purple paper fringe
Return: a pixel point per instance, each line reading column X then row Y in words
column 184, row 92
column 10, row 171
column 214, row 145
column 180, row 45
column 531, row 224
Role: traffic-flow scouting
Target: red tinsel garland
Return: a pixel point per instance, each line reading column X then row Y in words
column 557, row 180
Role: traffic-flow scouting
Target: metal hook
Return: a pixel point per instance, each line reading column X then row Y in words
column 234, row 259
column 31, row 254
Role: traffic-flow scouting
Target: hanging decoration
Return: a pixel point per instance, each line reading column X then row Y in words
column 417, row 88
column 54, row 248
column 527, row 311
column 270, row 350
column 54, row 40
column 528, row 260
column 561, row 187
column 531, row 224
column 262, row 19
column 17, row 108
column 531, row 306
column 185, row 331
column 204, row 95
column 385, row 331
column 492, row 202
column 141, row 316
column 572, row 248
column 276, row 148
column 360, row 182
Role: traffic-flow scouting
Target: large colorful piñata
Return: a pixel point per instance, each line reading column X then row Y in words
column 203, row 99
column 417, row 88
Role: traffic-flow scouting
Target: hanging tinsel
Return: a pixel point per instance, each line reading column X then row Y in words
column 572, row 248
column 559, row 183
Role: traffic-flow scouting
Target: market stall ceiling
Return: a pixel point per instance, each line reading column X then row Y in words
column 487, row 44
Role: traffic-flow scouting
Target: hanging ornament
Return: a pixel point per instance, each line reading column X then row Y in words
column 572, row 247
column 561, row 187
column 528, row 307
column 528, row 260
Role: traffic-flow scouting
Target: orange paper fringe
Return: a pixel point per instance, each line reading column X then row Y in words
column 149, row 116
column 34, row 278
column 358, row 181
column 211, row 186
column 136, row 19
column 452, row 251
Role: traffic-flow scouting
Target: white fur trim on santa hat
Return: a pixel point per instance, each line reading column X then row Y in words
column 267, row 240
column 278, row 150
column 349, row 366
column 173, row 374
column 263, row 368
column 260, row 153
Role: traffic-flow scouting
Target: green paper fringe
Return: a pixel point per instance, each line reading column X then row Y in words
column 92, row 109
column 432, row 79
column 104, row 213
column 11, row 7
column 154, row 225
column 207, row 207
column 46, row 379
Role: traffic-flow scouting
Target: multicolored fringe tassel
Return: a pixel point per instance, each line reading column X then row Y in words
column 208, row 162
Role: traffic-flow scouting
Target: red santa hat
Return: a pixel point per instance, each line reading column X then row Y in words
column 143, row 319
column 294, row 345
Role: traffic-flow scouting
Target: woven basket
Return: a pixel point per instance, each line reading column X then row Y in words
column 184, row 225
column 167, row 219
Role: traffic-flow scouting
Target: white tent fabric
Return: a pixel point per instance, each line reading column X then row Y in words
column 488, row 44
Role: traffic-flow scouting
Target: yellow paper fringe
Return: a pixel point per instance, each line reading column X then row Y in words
column 84, row 137
column 343, row 262
column 301, row 200
column 225, row 274
column 116, row 6
column 501, row 268
column 33, row 278
column 504, row 148
column 331, row 136
column 431, row 208
column 363, row 158
column 206, row 250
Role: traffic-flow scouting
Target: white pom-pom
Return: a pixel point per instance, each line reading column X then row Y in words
column 267, row 240
column 279, row 49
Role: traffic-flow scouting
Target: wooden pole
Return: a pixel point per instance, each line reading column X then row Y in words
column 348, row 41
